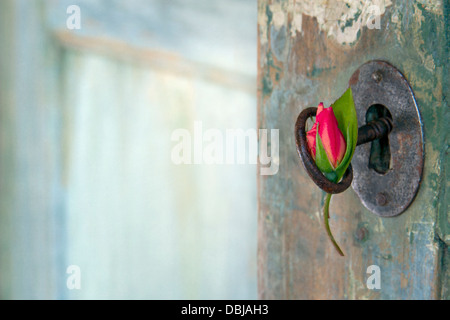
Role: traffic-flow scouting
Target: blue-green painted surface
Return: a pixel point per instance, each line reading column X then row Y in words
column 304, row 61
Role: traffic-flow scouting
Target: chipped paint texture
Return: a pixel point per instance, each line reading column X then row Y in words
column 340, row 20
column 434, row 6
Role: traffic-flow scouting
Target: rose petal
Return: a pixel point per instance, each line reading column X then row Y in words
column 332, row 138
column 311, row 139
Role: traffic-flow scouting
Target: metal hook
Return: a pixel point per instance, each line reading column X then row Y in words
column 372, row 131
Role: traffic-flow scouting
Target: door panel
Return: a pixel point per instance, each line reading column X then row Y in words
column 86, row 172
column 308, row 51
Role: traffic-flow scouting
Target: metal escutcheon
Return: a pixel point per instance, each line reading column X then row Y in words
column 390, row 193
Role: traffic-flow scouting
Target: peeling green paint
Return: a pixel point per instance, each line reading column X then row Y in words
column 317, row 71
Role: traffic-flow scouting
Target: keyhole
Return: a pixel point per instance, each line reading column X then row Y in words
column 380, row 152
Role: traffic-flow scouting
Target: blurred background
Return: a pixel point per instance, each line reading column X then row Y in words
column 86, row 176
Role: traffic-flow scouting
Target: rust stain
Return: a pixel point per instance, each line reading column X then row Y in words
column 355, row 78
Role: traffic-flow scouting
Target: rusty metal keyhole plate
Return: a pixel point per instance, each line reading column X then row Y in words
column 389, row 194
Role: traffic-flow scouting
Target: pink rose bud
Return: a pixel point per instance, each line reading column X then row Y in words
column 332, row 138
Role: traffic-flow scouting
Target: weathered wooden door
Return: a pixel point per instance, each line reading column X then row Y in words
column 308, row 50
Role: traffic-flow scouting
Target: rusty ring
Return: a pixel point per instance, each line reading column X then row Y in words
column 308, row 162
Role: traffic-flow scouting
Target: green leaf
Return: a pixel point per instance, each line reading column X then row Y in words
column 345, row 112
